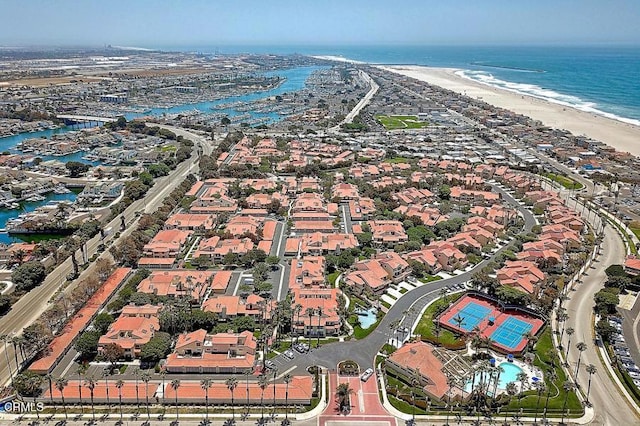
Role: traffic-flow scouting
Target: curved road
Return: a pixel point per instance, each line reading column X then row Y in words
column 611, row 408
column 407, row 308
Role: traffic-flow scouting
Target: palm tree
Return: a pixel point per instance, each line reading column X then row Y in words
column 499, row 370
column 512, row 389
column 591, row 369
column 175, row 384
column 458, row 320
column 581, row 346
column 451, row 381
column 562, row 317
column 310, row 312
column 90, row 382
column 61, row 383
column 263, row 382
column 568, row 387
column 205, row 384
column 570, row 332
column 232, row 384
column 275, row 374
column 119, row 385
column 551, row 376
column 163, row 374
column 319, row 313
column 443, row 294
column 105, row 375
column 49, row 378
column 522, row 378
column 287, row 380
column 541, row 387
column 343, row 394
column 296, row 311
column 136, row 374
column 247, row 375
column 145, row 378
column 80, row 372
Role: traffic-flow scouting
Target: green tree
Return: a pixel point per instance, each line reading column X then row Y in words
column 102, row 322
column 156, row 348
column 28, row 275
column 28, row 384
column 112, row 353
column 76, row 168
column 87, row 343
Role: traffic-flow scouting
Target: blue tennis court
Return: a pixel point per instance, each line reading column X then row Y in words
column 472, row 314
column 509, row 333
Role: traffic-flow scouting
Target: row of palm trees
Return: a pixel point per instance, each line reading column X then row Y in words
column 90, row 383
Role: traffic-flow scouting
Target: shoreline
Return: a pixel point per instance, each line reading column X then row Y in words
column 624, row 137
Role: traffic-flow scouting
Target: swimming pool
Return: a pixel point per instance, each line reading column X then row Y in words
column 367, row 318
column 510, row 374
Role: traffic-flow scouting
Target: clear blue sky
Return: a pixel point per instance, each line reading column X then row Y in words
column 162, row 23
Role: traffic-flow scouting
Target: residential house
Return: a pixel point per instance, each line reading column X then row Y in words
column 130, row 333
column 221, row 353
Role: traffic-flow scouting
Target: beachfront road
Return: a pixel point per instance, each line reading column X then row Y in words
column 26, row 310
column 610, row 406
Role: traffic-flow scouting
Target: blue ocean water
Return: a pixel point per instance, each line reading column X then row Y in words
column 597, row 79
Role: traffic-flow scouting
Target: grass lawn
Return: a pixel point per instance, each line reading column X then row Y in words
column 567, row 182
column 385, row 304
column 426, row 327
column 359, row 332
column 626, row 236
column 394, row 122
column 429, row 278
column 542, row 361
column 332, row 277
column 395, row 160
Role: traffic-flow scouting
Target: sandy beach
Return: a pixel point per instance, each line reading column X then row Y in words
column 622, row 136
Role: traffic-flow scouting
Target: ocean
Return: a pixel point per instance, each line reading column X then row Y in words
column 597, row 79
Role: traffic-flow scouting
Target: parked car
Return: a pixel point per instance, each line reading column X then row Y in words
column 269, row 364
column 289, row 354
column 367, row 373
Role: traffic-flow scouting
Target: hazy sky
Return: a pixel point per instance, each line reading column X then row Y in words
column 162, row 23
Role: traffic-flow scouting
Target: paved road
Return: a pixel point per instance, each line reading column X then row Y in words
column 31, row 305
column 363, row 102
column 610, row 406
column 406, row 309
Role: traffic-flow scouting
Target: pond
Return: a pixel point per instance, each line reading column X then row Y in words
column 367, row 317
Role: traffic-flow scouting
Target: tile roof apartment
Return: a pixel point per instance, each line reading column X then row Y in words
column 191, row 222
column 521, row 274
column 318, row 243
column 307, row 272
column 318, row 312
column 216, row 248
column 167, row 243
column 632, row 265
column 229, row 307
column 418, row 360
column 181, row 283
column 200, row 352
column 387, row 232
column 130, row 333
column 378, row 273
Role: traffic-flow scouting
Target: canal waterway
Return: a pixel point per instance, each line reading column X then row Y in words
column 295, row 79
